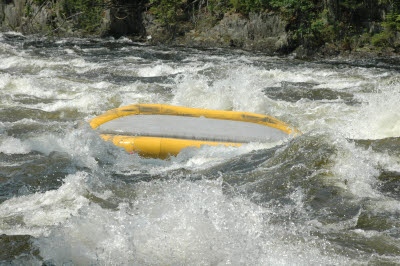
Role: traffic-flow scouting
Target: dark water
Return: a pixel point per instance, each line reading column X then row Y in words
column 328, row 197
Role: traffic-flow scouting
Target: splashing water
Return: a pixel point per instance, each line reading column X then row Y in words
column 330, row 196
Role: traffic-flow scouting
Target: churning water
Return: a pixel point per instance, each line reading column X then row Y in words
column 330, row 196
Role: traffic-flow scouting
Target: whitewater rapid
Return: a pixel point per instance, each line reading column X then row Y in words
column 328, row 197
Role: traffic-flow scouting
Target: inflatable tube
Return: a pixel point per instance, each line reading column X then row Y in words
column 158, row 130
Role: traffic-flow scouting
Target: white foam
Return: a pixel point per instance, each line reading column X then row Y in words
column 15, row 33
column 9, row 62
column 69, row 51
column 83, row 145
column 124, row 40
column 4, row 80
column 35, row 214
column 11, row 145
column 377, row 119
column 180, row 222
column 229, row 93
column 28, row 86
column 358, row 168
column 157, row 70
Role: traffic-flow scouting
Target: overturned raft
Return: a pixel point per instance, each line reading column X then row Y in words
column 158, row 130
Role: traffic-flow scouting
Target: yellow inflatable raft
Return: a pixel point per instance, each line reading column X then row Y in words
column 158, row 130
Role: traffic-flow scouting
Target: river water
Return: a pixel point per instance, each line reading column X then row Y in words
column 330, row 196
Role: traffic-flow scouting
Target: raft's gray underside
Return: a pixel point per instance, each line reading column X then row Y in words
column 196, row 128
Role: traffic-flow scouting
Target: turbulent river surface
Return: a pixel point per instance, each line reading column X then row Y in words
column 328, row 197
